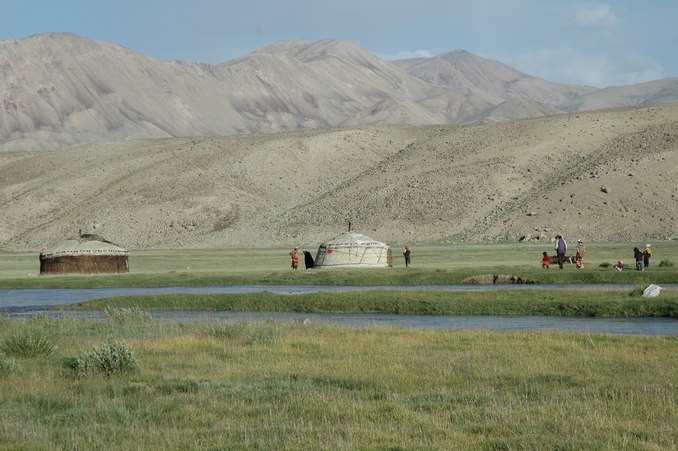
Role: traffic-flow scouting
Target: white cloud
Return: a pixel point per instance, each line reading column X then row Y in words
column 637, row 68
column 597, row 69
column 592, row 16
column 407, row 54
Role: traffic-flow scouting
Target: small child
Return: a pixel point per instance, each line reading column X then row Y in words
column 545, row 261
column 619, row 266
column 640, row 259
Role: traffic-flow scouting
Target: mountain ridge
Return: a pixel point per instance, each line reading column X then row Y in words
column 61, row 90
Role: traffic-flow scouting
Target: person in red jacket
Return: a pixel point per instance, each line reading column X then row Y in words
column 545, row 261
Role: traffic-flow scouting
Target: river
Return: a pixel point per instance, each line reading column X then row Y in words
column 24, row 303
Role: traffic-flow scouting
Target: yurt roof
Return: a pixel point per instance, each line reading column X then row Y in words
column 352, row 239
column 84, row 245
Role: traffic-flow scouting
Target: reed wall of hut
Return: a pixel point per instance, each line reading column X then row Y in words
column 85, row 254
column 84, row 264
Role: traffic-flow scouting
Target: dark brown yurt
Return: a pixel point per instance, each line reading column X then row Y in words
column 86, row 254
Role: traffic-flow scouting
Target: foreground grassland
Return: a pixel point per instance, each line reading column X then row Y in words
column 588, row 303
column 432, row 264
column 307, row 386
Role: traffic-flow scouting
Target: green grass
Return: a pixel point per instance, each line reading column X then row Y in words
column 614, row 303
column 278, row 385
column 432, row 264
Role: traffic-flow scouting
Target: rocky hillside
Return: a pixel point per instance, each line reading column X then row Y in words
column 602, row 175
column 60, row 90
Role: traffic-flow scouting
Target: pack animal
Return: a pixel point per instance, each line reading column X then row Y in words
column 568, row 259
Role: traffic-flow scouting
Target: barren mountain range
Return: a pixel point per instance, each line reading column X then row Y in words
column 380, row 147
column 60, row 90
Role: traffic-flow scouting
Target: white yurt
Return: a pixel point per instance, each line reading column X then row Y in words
column 351, row 249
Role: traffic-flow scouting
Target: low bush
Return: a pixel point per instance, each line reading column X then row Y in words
column 604, row 265
column 27, row 345
column 666, row 263
column 637, row 291
column 110, row 358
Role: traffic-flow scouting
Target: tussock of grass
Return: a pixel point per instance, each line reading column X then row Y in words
column 245, row 331
column 27, row 345
column 128, row 316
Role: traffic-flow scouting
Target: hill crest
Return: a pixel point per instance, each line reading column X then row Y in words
column 60, row 90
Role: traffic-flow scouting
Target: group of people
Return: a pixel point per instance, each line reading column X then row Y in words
column 561, row 251
column 308, row 259
column 642, row 258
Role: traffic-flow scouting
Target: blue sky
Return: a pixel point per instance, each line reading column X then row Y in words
column 593, row 43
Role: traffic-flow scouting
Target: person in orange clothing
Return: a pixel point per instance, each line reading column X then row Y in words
column 295, row 258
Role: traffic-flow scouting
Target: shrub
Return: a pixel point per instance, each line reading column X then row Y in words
column 28, row 345
column 637, row 291
column 665, row 263
column 604, row 265
column 109, row 358
column 8, row 366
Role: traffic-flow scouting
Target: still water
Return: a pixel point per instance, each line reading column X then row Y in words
column 29, row 302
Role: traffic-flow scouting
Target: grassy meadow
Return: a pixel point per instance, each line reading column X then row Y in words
column 431, row 264
column 275, row 385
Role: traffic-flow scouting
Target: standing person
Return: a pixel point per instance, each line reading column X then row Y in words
column 545, row 260
column 308, row 260
column 295, row 258
column 561, row 250
column 647, row 253
column 579, row 258
column 639, row 259
column 406, row 254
